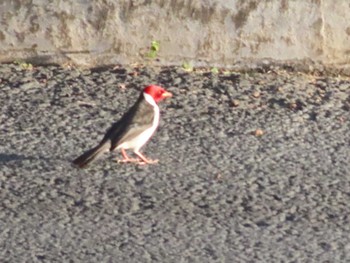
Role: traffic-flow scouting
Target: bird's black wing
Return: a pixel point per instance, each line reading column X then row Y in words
column 136, row 120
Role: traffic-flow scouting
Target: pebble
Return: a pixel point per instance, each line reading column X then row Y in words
column 344, row 87
column 177, row 81
column 235, row 103
column 256, row 94
column 29, row 85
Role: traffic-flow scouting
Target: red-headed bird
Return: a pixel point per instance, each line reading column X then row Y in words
column 132, row 131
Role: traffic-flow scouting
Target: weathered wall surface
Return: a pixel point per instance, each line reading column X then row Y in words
column 93, row 33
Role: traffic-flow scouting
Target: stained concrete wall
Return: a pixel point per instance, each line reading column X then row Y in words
column 92, row 33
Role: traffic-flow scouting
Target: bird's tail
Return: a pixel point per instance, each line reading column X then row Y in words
column 92, row 154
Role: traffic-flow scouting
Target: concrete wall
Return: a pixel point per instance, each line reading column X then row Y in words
column 92, row 33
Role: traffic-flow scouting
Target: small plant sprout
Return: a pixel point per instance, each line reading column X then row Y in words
column 154, row 48
column 214, row 70
column 23, row 65
column 187, row 66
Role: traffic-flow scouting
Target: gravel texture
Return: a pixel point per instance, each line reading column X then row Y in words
column 254, row 167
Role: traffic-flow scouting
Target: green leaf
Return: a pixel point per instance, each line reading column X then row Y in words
column 187, row 66
column 155, row 46
column 152, row 54
column 214, row 70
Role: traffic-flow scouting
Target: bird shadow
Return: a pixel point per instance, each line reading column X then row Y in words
column 4, row 158
column 7, row 158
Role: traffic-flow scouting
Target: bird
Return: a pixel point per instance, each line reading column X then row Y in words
column 132, row 131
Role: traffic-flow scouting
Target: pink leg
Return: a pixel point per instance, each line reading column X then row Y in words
column 144, row 160
column 126, row 158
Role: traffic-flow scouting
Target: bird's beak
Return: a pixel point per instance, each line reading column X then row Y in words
column 166, row 94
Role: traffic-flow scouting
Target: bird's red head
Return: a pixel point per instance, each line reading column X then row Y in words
column 157, row 93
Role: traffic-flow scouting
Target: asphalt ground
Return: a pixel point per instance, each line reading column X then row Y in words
column 254, row 167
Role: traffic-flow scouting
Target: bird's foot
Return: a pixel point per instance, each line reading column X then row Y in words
column 147, row 161
column 126, row 158
column 138, row 161
column 144, row 160
column 129, row 160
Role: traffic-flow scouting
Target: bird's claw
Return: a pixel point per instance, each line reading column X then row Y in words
column 138, row 161
column 142, row 162
column 128, row 161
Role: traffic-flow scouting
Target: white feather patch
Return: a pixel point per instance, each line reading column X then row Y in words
column 136, row 143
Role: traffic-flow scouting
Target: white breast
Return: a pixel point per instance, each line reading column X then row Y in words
column 136, row 143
